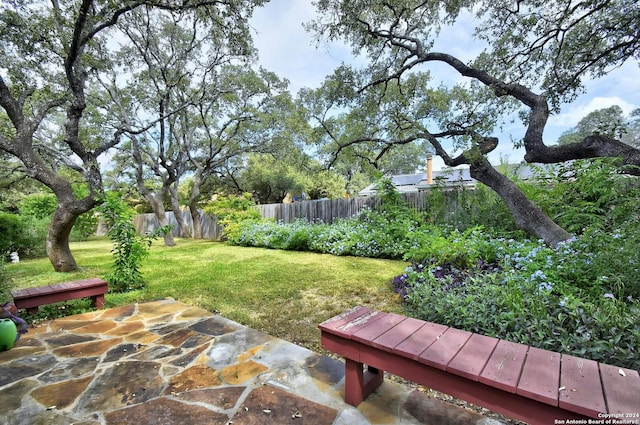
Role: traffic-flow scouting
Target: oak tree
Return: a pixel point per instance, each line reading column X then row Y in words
column 54, row 55
column 536, row 56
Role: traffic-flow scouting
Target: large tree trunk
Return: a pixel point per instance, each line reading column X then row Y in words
column 193, row 205
column 527, row 215
column 58, row 249
column 197, row 221
column 161, row 215
column 185, row 231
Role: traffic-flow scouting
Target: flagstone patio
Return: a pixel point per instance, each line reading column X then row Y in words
column 166, row 362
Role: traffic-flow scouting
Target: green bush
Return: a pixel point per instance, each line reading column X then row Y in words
column 11, row 233
column 35, row 237
column 24, row 235
column 233, row 211
column 585, row 194
column 130, row 249
column 370, row 234
column 462, row 249
column 38, row 205
column 5, row 288
column 464, row 208
column 529, row 295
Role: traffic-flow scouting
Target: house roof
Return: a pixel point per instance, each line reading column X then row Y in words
column 450, row 177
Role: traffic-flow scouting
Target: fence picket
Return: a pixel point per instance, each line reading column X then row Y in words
column 322, row 210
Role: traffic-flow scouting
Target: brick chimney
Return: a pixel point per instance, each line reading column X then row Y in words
column 429, row 169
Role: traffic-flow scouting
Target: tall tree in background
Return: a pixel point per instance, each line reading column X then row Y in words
column 632, row 136
column 174, row 57
column 240, row 111
column 357, row 140
column 163, row 50
column 53, row 54
column 609, row 122
column 552, row 45
column 198, row 104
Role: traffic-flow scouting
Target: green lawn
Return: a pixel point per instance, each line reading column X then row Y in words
column 283, row 293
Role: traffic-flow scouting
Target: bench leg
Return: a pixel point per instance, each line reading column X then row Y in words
column 358, row 383
column 97, row 301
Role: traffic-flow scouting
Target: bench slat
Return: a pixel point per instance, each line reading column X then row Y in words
column 40, row 290
column 473, row 356
column 440, row 353
column 75, row 285
column 621, row 391
column 394, row 336
column 540, row 377
column 348, row 329
column 505, row 366
column 420, row 340
column 581, row 388
column 58, row 287
column 20, row 293
column 386, row 322
column 526, row 383
column 334, row 323
column 87, row 283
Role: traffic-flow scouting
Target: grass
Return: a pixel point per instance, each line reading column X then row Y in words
column 283, row 293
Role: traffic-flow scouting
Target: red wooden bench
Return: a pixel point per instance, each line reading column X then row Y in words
column 32, row 298
column 521, row 382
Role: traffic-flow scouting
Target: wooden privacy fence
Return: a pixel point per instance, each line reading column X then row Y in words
column 314, row 211
column 148, row 223
column 328, row 210
column 323, row 210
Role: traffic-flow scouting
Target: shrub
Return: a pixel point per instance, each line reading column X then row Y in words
column 130, row 248
column 24, row 235
column 35, row 237
column 11, row 233
column 602, row 261
column 5, row 288
column 232, row 211
column 39, row 208
column 463, row 208
column 462, row 249
column 527, row 296
column 585, row 194
column 38, row 205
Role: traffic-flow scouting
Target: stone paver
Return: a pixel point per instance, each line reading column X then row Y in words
column 166, row 362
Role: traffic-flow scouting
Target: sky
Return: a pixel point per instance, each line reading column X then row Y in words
column 288, row 50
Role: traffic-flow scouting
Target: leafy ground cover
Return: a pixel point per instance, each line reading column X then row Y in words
column 578, row 298
column 286, row 294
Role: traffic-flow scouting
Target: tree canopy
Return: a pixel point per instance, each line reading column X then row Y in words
column 171, row 84
column 607, row 121
column 55, row 56
column 536, row 56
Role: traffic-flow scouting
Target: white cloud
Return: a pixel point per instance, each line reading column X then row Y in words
column 620, row 87
column 288, row 50
column 575, row 113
